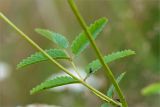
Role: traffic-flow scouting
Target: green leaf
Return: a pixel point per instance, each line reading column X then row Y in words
column 96, row 65
column 151, row 89
column 111, row 89
column 105, row 105
column 57, row 38
column 81, row 41
column 58, row 81
column 38, row 57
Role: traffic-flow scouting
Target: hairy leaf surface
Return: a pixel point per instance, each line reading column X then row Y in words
column 58, row 81
column 96, row 65
column 38, row 57
column 81, row 41
column 57, row 38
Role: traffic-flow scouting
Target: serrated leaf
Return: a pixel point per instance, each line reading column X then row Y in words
column 111, row 89
column 151, row 89
column 57, row 38
column 38, row 57
column 81, row 41
column 58, row 81
column 96, row 65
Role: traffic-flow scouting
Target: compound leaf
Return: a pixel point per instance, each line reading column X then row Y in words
column 96, row 65
column 81, row 41
column 38, row 57
column 58, row 81
column 57, row 38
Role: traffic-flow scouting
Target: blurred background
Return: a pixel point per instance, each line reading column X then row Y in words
column 133, row 24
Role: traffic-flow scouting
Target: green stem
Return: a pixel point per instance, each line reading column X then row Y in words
column 101, row 95
column 74, row 66
column 99, row 55
column 98, row 93
column 76, row 70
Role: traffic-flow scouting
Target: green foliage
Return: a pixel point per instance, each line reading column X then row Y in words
column 78, row 45
column 57, row 38
column 38, row 57
column 58, row 81
column 81, row 41
column 151, row 89
column 111, row 90
column 96, row 65
column 105, row 105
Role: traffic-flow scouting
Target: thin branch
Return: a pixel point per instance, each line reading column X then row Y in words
column 76, row 70
column 74, row 66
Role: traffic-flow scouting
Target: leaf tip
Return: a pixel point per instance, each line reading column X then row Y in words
column 37, row 29
column 31, row 91
column 105, row 19
column 131, row 51
column 151, row 89
column 18, row 66
column 34, row 90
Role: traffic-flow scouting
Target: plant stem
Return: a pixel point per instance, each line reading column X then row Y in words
column 74, row 66
column 99, row 55
column 76, row 70
column 103, row 96
column 98, row 93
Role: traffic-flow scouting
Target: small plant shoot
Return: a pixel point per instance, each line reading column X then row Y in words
column 79, row 44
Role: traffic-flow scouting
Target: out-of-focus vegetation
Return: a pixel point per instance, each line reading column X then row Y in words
column 151, row 89
column 133, row 24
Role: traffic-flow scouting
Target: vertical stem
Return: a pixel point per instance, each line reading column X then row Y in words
column 98, row 93
column 99, row 55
